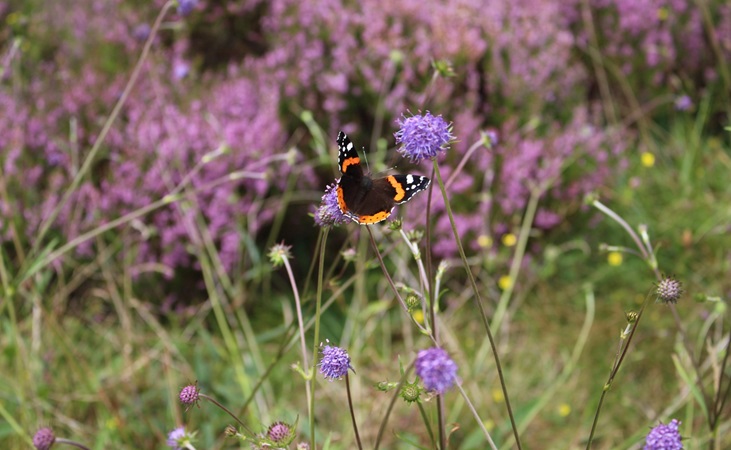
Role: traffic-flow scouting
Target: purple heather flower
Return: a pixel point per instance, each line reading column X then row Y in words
column 335, row 362
column 185, row 7
column 664, row 437
column 328, row 213
column 176, row 437
column 141, row 32
column 44, row 438
column 436, row 369
column 423, row 137
column 189, row 394
column 180, row 70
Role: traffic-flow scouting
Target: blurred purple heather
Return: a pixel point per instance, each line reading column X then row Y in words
column 514, row 64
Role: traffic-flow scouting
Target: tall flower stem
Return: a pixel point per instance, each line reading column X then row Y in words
column 615, row 368
column 392, row 284
column 477, row 416
column 384, row 422
column 216, row 402
column 318, row 305
column 478, row 300
column 352, row 412
column 300, row 321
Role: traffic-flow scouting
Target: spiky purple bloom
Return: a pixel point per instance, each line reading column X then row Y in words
column 664, row 437
column 436, row 369
column 281, row 434
column 328, row 213
column 669, row 290
column 189, row 394
column 185, row 7
column 422, row 137
column 335, row 362
column 175, row 437
column 44, row 438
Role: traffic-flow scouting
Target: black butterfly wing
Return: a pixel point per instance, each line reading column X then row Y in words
column 348, row 159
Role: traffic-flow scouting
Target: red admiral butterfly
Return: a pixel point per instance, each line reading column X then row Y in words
column 364, row 199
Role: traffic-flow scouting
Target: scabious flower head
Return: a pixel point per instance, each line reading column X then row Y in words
column 335, row 362
column 328, row 213
column 189, row 395
column 280, row 434
column 436, row 369
column 279, row 253
column 178, row 438
column 422, row 136
column 664, row 437
column 44, row 438
column 303, row 446
column 669, row 290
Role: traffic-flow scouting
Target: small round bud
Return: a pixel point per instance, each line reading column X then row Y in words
column 412, row 302
column 281, row 434
column 669, row 290
column 631, row 316
column 410, row 392
column 189, row 395
column 44, row 439
column 279, row 253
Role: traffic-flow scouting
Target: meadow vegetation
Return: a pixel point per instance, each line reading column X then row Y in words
column 175, row 271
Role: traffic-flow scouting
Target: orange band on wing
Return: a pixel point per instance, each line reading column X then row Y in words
column 375, row 218
column 349, row 162
column 341, row 201
column 400, row 193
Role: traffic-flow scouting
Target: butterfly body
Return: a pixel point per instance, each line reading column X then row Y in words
column 367, row 200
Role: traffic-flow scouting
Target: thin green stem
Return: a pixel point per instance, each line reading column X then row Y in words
column 615, row 368
column 300, row 321
column 478, row 301
column 425, row 419
column 318, row 305
column 477, row 416
column 384, row 422
column 217, row 403
column 352, row 412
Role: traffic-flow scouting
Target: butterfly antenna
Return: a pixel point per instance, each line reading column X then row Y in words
column 365, row 157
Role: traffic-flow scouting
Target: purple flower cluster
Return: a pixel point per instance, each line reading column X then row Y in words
column 335, row 362
column 664, row 437
column 436, row 369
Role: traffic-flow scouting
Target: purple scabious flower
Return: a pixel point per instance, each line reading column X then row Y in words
column 185, row 7
column 664, row 437
column 176, row 437
column 436, row 369
column 328, row 213
column 44, row 438
column 335, row 362
column 423, row 137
